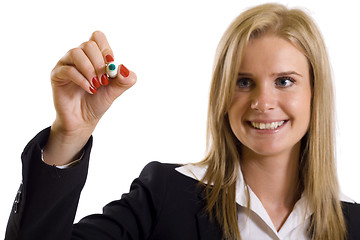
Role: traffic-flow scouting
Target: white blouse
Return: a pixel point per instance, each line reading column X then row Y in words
column 258, row 225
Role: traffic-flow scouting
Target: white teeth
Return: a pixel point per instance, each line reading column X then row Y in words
column 263, row 126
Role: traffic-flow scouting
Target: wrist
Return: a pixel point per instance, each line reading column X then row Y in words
column 63, row 147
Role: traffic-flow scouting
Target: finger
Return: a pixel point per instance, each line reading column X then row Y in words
column 76, row 57
column 70, row 73
column 118, row 86
column 104, row 46
column 124, row 80
column 93, row 52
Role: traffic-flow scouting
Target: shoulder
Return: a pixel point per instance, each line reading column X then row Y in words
column 177, row 201
column 167, row 187
column 157, row 167
column 157, row 173
column 165, row 173
column 351, row 212
column 165, row 180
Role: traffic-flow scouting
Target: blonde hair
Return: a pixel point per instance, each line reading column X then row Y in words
column 317, row 160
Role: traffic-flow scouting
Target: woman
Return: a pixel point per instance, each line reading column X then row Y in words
column 270, row 169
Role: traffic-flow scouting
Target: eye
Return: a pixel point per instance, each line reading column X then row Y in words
column 284, row 82
column 244, row 83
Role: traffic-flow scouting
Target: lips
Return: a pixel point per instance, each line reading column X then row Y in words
column 267, row 125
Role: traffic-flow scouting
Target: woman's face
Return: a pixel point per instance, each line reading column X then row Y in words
column 270, row 110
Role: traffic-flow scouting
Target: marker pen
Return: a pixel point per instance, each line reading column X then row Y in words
column 111, row 69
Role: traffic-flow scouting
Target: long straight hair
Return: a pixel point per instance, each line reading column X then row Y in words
column 317, row 161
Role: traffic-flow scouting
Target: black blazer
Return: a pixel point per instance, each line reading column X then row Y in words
column 162, row 204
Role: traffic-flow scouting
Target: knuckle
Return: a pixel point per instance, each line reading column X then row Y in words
column 89, row 71
column 61, row 72
column 73, row 53
column 64, row 72
column 53, row 73
column 89, row 45
column 100, row 69
column 97, row 34
column 68, row 71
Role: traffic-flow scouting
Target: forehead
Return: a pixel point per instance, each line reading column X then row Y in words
column 272, row 53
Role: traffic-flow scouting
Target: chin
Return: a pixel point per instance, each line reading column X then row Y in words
column 266, row 150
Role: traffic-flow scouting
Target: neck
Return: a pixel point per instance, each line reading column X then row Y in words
column 274, row 179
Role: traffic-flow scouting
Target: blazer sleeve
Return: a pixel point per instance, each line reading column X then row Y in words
column 135, row 215
column 46, row 202
column 49, row 197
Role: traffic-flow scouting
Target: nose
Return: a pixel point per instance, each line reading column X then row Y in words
column 263, row 100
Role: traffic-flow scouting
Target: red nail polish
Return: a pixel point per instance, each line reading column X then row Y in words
column 104, row 80
column 95, row 82
column 93, row 90
column 109, row 58
column 124, row 71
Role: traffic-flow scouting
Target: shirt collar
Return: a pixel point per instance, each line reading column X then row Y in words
column 299, row 215
column 301, row 212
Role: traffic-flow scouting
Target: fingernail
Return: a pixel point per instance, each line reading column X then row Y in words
column 95, row 82
column 104, row 80
column 124, row 71
column 93, row 90
column 109, row 58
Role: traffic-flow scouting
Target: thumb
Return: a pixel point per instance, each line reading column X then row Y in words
column 123, row 80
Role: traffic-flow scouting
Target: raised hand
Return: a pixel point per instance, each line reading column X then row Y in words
column 82, row 93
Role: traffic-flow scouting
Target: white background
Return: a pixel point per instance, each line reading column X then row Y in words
column 170, row 45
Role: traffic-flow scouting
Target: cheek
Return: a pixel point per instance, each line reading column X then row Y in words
column 241, row 100
column 237, row 112
column 236, row 124
column 299, row 107
column 233, row 117
column 238, row 107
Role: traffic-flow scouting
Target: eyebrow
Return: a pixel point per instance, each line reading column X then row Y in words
column 274, row 74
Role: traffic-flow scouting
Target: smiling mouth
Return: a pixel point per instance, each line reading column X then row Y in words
column 267, row 126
